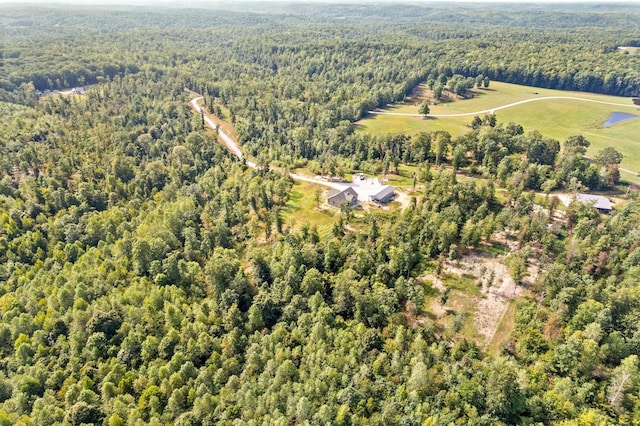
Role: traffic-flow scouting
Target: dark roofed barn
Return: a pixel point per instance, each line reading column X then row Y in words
column 385, row 195
column 338, row 198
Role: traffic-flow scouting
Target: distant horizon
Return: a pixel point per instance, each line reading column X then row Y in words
column 196, row 3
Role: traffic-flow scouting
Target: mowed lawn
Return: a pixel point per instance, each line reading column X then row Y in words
column 302, row 208
column 556, row 118
column 384, row 124
column 560, row 119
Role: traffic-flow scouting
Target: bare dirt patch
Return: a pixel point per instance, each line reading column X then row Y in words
column 486, row 304
column 402, row 198
column 437, row 308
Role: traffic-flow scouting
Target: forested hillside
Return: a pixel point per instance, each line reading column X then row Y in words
column 147, row 276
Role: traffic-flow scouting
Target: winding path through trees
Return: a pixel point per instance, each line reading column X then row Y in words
column 492, row 110
column 233, row 146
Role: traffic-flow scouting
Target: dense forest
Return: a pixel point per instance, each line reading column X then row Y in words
column 147, row 275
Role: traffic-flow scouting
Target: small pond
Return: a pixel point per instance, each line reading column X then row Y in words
column 617, row 117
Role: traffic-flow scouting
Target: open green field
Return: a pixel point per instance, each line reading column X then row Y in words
column 384, row 124
column 404, row 177
column 302, row 208
column 556, row 118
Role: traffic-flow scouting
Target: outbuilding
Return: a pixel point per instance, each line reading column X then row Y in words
column 383, row 196
column 602, row 204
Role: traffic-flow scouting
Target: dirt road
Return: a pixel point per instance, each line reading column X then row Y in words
column 235, row 150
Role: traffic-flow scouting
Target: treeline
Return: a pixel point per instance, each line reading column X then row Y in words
column 576, row 58
column 494, row 150
column 147, row 277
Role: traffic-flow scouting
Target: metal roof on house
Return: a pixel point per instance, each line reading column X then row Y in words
column 345, row 196
column 334, row 192
column 387, row 190
column 600, row 203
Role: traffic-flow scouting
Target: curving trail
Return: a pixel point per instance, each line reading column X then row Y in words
column 492, row 110
column 226, row 139
column 235, row 150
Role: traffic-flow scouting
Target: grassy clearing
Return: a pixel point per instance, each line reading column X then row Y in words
column 302, row 208
column 504, row 329
column 468, row 312
column 501, row 94
column 495, row 248
column 466, row 284
column 391, row 124
column 463, row 304
column 305, row 171
column 630, row 177
column 560, row 119
column 430, row 293
column 556, row 118
column 404, row 176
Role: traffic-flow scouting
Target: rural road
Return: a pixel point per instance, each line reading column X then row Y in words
column 492, row 110
column 235, row 150
column 226, row 139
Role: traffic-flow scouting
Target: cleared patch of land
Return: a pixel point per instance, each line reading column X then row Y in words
column 481, row 296
column 505, row 327
column 390, row 124
column 303, row 208
column 556, row 118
